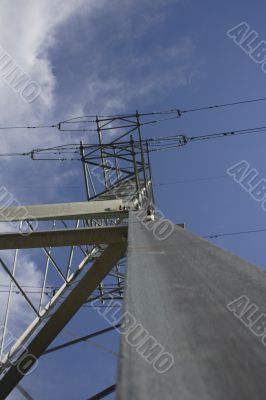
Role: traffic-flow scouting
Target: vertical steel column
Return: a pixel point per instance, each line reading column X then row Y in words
column 150, row 172
column 85, row 171
column 141, row 150
column 11, row 284
column 134, row 163
column 101, row 152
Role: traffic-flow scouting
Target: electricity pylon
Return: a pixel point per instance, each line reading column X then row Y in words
column 195, row 314
column 93, row 233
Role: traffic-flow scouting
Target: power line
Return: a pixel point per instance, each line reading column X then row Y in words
column 81, row 339
column 35, row 287
column 260, row 129
column 225, row 105
column 26, row 291
column 155, row 144
column 28, row 127
column 175, row 112
column 217, row 235
column 191, row 180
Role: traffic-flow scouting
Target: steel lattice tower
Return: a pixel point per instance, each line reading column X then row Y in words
column 117, row 177
column 176, row 291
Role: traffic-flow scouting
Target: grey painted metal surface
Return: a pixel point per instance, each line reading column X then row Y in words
column 66, row 211
column 63, row 237
column 63, row 314
column 178, row 289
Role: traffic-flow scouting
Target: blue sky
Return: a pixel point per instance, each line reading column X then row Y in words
column 93, row 56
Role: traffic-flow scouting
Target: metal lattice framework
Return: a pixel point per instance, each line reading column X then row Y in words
column 203, row 339
column 78, row 247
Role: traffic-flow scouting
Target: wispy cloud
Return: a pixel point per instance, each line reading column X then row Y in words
column 29, row 277
column 89, row 56
column 27, row 32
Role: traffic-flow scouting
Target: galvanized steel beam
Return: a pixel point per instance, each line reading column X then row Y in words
column 63, row 211
column 63, row 237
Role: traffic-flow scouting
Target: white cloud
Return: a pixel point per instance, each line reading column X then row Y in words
column 138, row 78
column 27, row 274
column 110, row 81
column 20, row 315
column 27, row 32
